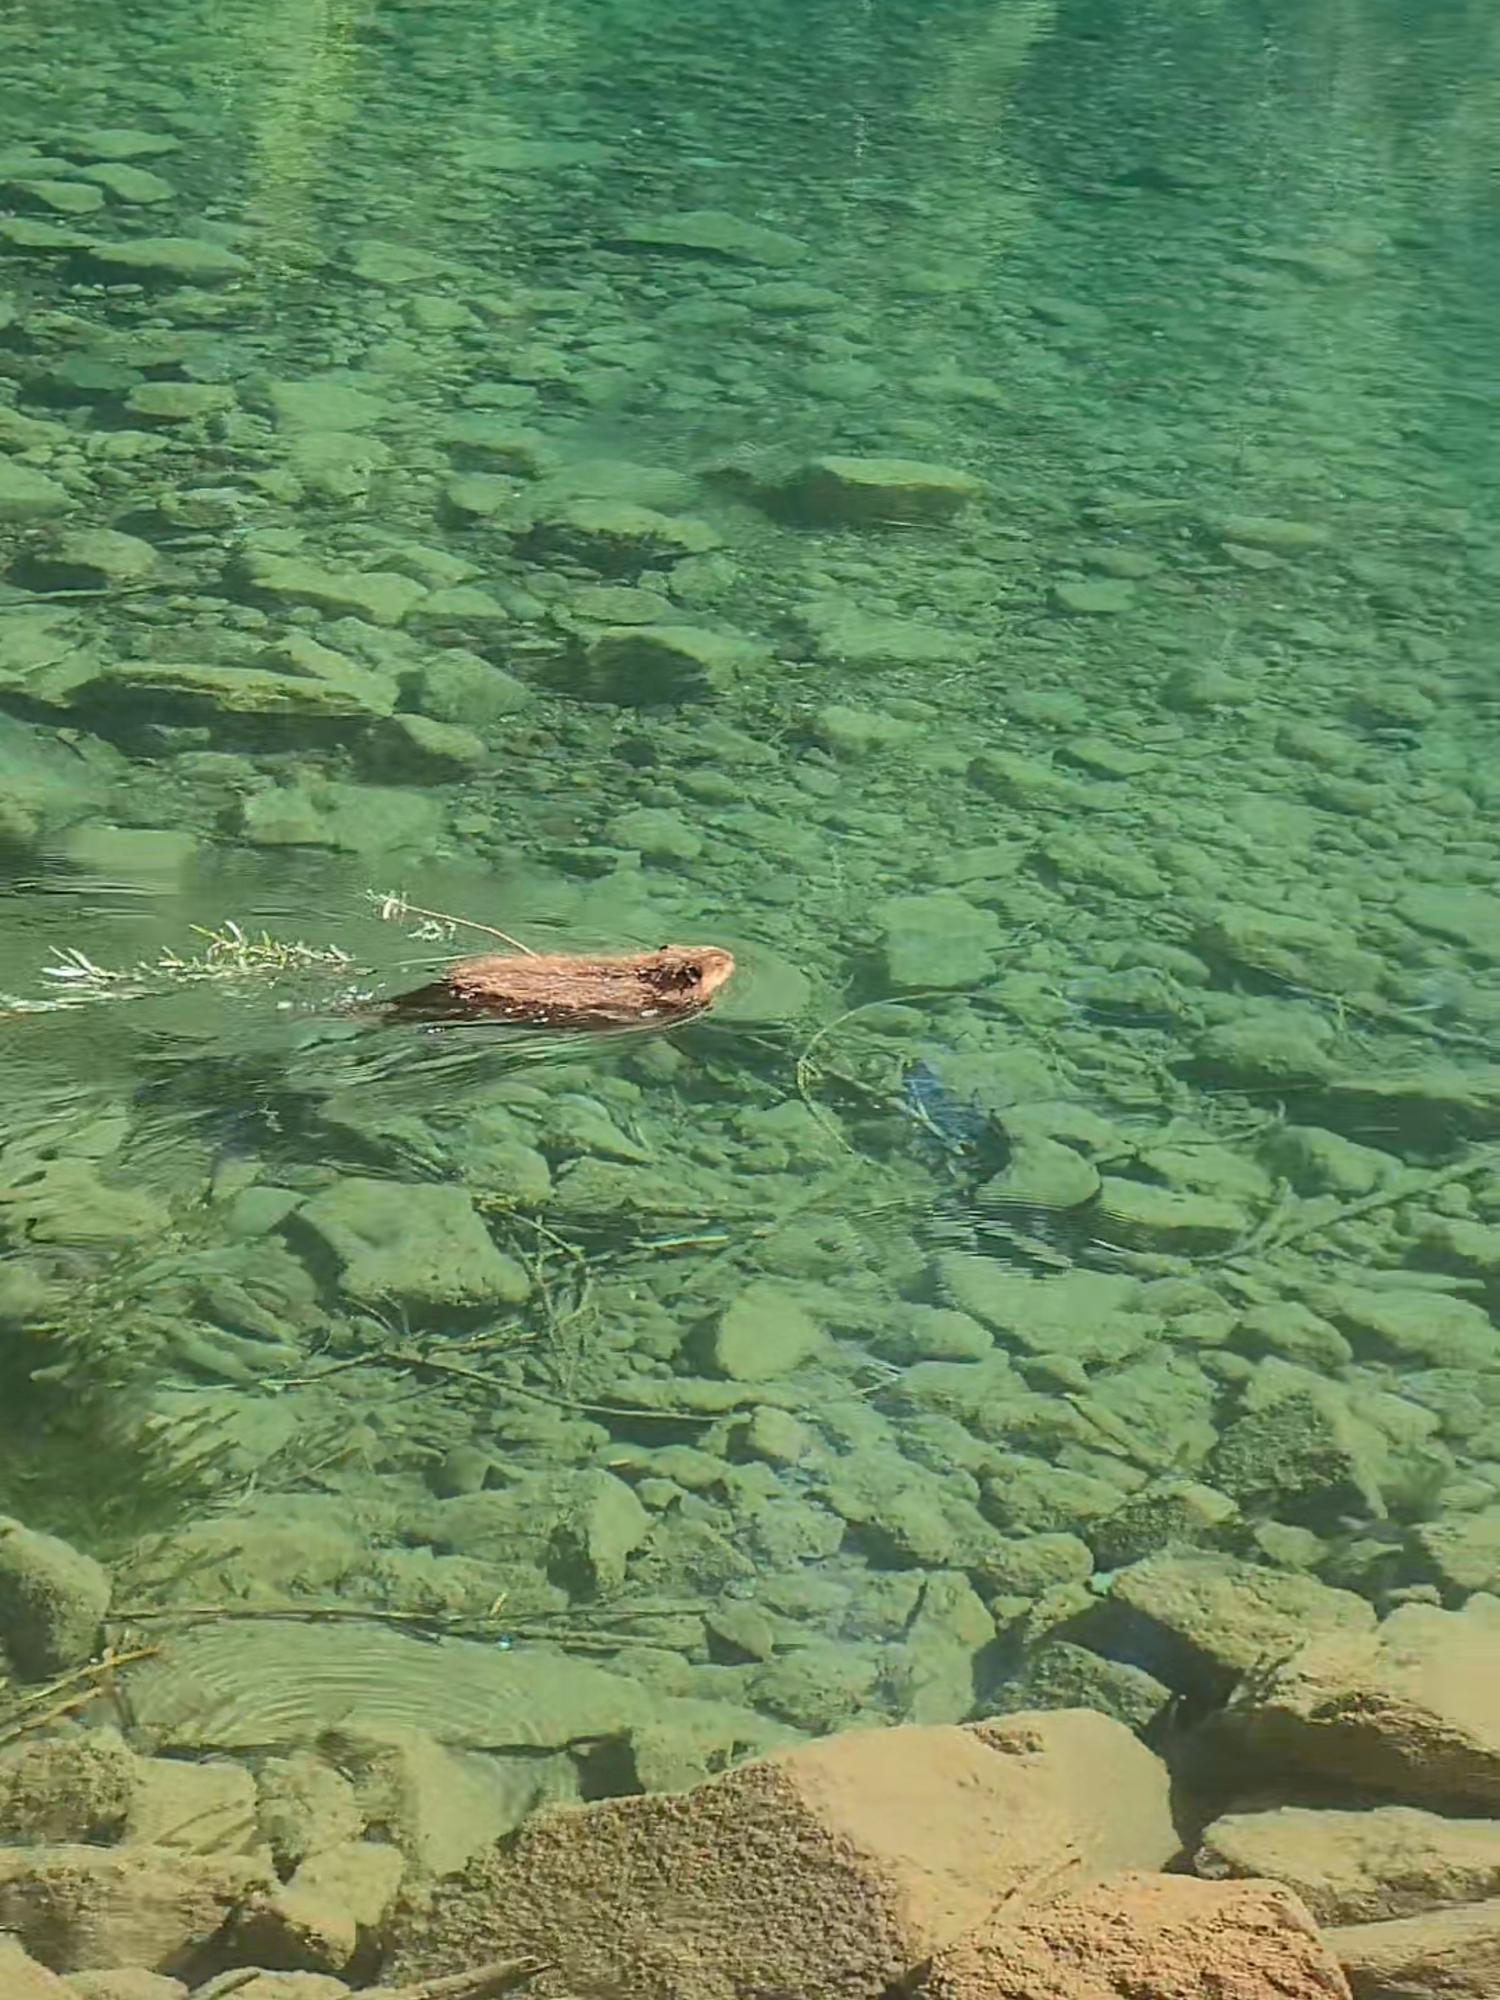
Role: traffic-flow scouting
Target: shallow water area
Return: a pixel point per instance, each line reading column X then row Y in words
column 985, row 511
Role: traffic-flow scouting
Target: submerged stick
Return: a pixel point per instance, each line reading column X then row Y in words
column 483, row 1983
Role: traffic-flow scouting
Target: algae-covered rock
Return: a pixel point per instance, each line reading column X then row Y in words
column 1025, row 1495
column 648, row 666
column 179, row 402
column 931, row 1675
column 1170, row 1514
column 352, row 819
column 1412, row 1326
column 335, row 1899
column 716, row 233
column 189, row 260
column 1143, row 1216
column 904, row 1514
column 417, row 750
column 1461, row 1552
column 845, row 634
column 1199, row 1621
column 613, row 537
column 238, row 691
column 206, row 1808
column 52, row 1601
column 936, row 940
column 1059, row 1674
column 764, row 1332
column 380, row 597
column 819, row 1687
column 1294, row 950
column 420, row 1245
column 29, row 495
column 303, row 1805
column 86, row 559
column 1297, row 1451
column 842, row 492
column 1087, row 1314
column 602, row 1528
column 1094, row 597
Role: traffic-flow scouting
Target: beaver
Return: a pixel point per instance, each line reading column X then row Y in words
column 651, row 989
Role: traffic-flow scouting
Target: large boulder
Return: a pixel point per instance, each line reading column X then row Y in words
column 86, row 1908
column 1445, row 1955
column 1411, row 1709
column 1358, row 1867
column 836, row 1868
column 1198, row 1620
column 1163, row 1936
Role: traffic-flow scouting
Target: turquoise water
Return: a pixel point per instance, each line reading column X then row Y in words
column 987, row 512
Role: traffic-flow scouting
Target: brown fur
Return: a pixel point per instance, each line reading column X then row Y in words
column 555, row 990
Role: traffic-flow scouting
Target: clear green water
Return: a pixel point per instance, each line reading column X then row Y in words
column 1092, row 1159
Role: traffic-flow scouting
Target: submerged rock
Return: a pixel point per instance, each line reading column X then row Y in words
column 52, row 1601
column 1199, row 1621
column 764, row 1332
column 29, row 495
column 423, row 1246
column 380, row 597
column 714, row 232
column 1358, row 1867
column 1411, row 1709
column 936, row 940
column 842, row 492
column 647, row 666
column 191, row 260
column 238, row 691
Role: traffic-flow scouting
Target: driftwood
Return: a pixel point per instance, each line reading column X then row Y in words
column 556, row 990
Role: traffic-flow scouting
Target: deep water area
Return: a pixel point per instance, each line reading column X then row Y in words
column 987, row 510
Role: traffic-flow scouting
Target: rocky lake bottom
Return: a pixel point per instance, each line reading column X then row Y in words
column 985, row 513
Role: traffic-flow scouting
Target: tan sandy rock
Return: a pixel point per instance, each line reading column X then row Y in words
column 304, row 1806
column 1163, row 1936
column 1412, row 1708
column 831, row 1869
column 89, row 1908
column 78, row 1786
column 21, row 1978
column 126, row 1982
column 1358, row 1867
column 440, row 1804
column 1445, row 1955
column 284, row 1986
column 206, row 1808
column 316, row 1922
